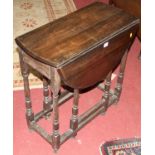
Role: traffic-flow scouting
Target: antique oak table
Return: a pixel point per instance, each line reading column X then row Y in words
column 79, row 50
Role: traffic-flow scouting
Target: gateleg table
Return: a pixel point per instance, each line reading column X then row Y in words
column 79, row 50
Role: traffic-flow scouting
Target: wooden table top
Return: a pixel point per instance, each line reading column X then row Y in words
column 66, row 39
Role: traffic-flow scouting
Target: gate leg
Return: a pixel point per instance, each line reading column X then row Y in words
column 105, row 97
column 46, row 102
column 28, row 104
column 74, row 119
column 55, row 87
column 118, row 88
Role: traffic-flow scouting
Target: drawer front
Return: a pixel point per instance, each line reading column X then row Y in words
column 94, row 67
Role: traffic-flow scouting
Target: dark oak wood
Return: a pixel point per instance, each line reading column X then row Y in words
column 77, row 51
column 59, row 42
column 64, row 42
column 74, row 119
column 46, row 101
column 55, row 87
column 64, row 96
column 28, row 104
column 94, row 66
column 120, row 78
column 106, row 95
column 131, row 6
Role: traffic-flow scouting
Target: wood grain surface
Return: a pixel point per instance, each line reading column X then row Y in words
column 74, row 44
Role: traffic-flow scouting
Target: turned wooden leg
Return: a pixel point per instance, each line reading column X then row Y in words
column 74, row 119
column 55, row 87
column 46, row 102
column 118, row 88
column 25, row 74
column 105, row 98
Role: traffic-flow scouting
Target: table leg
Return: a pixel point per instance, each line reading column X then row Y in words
column 105, row 98
column 118, row 88
column 25, row 74
column 74, row 119
column 46, row 102
column 55, row 87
